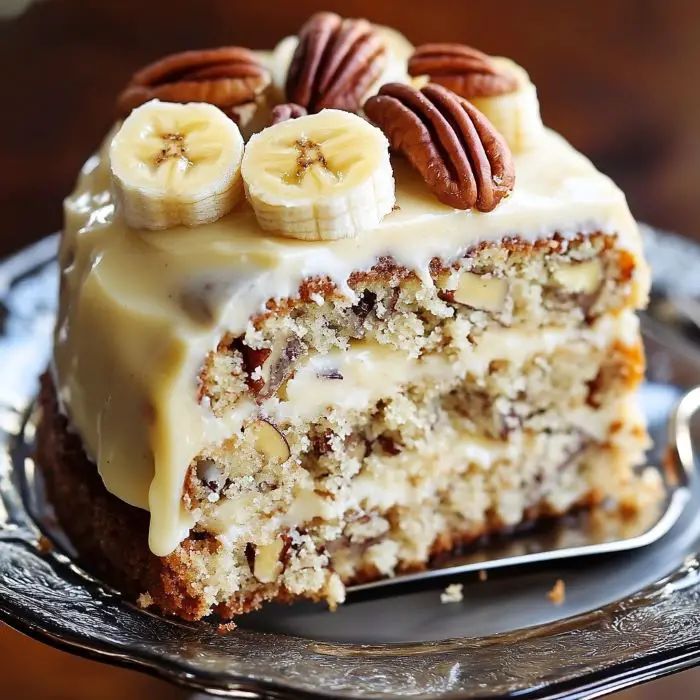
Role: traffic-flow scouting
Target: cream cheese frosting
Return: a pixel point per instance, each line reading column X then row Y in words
column 139, row 311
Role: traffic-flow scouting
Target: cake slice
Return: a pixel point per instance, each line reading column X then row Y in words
column 367, row 363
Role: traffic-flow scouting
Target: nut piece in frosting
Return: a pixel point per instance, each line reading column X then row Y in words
column 268, row 441
column 464, row 161
column 320, row 177
column 176, row 164
column 335, row 63
column 476, row 291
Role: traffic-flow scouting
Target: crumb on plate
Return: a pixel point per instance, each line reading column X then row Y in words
column 452, row 594
column 558, row 593
column 144, row 600
column 226, row 627
column 45, row 544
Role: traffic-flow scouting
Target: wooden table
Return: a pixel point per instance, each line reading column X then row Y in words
column 37, row 672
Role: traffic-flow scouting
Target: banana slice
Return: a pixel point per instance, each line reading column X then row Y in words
column 399, row 50
column 176, row 164
column 279, row 63
column 320, row 177
column 516, row 114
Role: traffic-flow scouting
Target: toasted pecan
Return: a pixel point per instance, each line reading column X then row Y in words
column 335, row 63
column 462, row 69
column 464, row 161
column 226, row 77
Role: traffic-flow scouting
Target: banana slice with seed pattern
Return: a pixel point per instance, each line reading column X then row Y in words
column 320, row 177
column 176, row 164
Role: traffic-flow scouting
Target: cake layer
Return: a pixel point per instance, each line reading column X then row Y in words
column 513, row 287
column 406, row 456
column 354, row 376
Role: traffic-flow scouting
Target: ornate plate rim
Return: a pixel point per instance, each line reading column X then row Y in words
column 675, row 597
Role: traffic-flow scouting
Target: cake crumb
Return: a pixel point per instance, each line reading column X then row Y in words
column 483, row 575
column 144, row 600
column 558, row 593
column 452, row 594
column 335, row 592
column 226, row 627
column 44, row 544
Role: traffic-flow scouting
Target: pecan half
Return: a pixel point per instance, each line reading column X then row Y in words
column 464, row 161
column 227, row 77
column 335, row 63
column 290, row 110
column 462, row 69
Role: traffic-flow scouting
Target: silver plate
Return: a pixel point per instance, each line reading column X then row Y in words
column 627, row 617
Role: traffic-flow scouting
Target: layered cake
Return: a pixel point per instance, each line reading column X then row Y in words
column 329, row 312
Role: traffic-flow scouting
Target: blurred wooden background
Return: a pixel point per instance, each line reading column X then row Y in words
column 617, row 77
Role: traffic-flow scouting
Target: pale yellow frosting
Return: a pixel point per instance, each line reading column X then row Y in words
column 140, row 310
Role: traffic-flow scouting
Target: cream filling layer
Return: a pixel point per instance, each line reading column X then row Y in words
column 413, row 477
column 372, row 372
column 367, row 372
column 140, row 310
